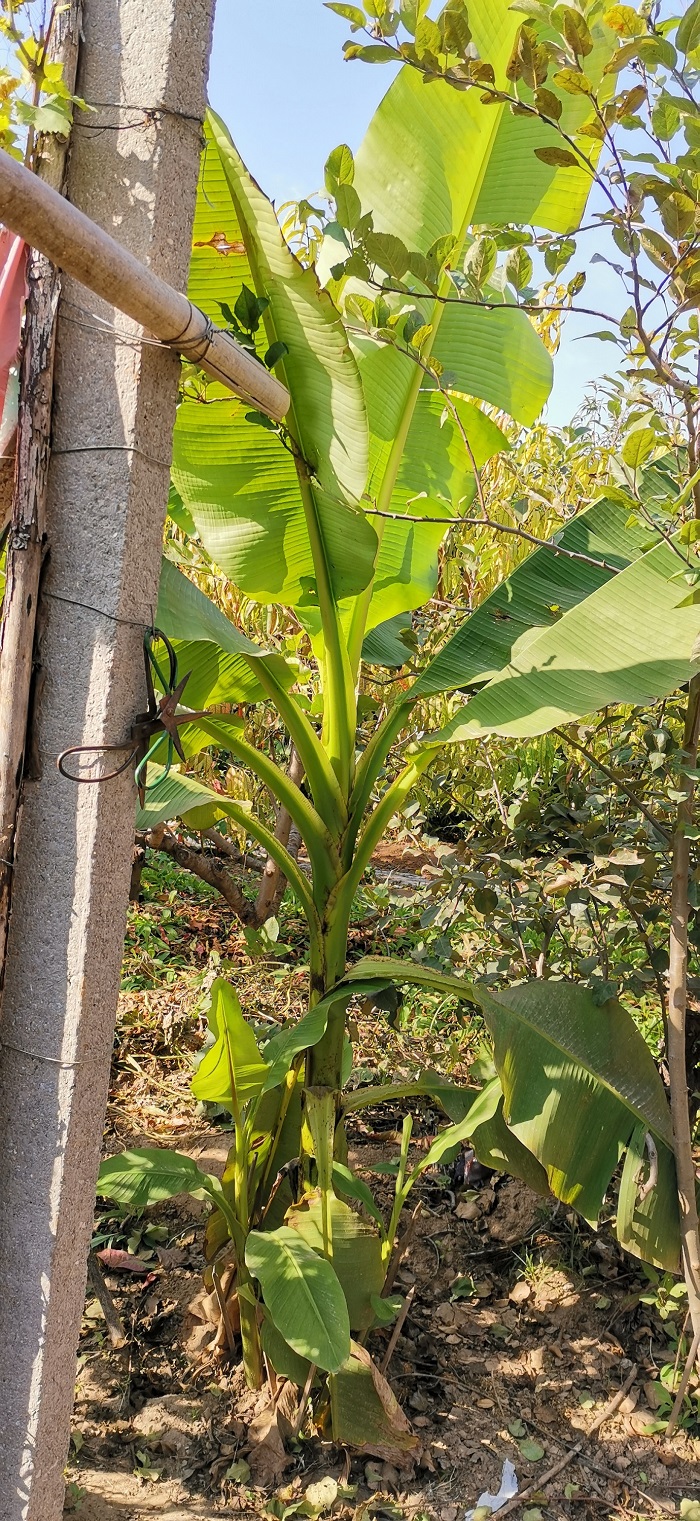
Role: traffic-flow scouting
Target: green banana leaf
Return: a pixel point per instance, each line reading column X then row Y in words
column 434, row 479
column 384, row 645
column 422, row 170
column 495, row 1145
column 220, row 660
column 631, row 641
column 302, row 1295
column 517, row 180
column 357, row 1253
column 200, row 734
column 150, row 1174
column 232, row 1070
column 650, row 1226
column 535, row 595
column 578, row 1082
column 430, row 149
column 175, row 795
column 256, row 513
column 172, row 794
column 436, row 161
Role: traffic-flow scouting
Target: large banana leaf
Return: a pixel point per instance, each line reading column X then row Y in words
column 579, row 1086
column 516, row 179
column 256, row 516
column 539, row 590
column 435, row 161
column 434, row 478
column 631, row 641
column 422, row 170
column 435, row 158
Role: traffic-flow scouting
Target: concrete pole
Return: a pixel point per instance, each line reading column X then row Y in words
column 114, row 408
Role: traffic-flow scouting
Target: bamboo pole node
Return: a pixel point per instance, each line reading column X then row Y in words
column 77, row 245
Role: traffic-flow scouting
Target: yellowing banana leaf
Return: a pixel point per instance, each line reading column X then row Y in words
column 365, row 1413
column 578, row 1081
column 535, row 595
column 254, row 510
column 357, row 1252
column 631, row 641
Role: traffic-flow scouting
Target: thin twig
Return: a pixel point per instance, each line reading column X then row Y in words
column 398, row 1328
column 487, row 522
column 301, row 1408
column 574, row 1452
column 115, row 1324
column 685, row 1380
column 616, row 781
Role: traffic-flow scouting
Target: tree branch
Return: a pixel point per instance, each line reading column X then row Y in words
column 209, row 869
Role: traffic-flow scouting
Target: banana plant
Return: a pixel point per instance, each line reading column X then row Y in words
column 339, row 514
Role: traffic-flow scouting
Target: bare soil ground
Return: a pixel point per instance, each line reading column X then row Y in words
column 522, row 1325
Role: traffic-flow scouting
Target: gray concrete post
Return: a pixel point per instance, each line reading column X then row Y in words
column 144, row 67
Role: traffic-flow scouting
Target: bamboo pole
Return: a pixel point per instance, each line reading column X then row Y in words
column 78, row 246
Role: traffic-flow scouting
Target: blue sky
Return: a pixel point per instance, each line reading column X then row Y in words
column 280, row 82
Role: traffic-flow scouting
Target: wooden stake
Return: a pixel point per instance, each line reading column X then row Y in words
column 398, row 1328
column 27, row 533
column 88, row 253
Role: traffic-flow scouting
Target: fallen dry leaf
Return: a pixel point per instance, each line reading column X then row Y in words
column 123, row 1262
column 267, row 1456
